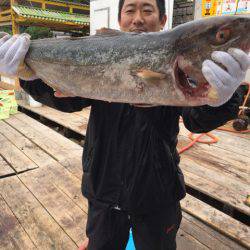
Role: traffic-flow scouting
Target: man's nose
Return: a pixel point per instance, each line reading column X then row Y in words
column 138, row 19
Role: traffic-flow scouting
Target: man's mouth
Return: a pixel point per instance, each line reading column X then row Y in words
column 188, row 84
column 138, row 30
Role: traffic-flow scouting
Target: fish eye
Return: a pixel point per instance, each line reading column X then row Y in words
column 222, row 36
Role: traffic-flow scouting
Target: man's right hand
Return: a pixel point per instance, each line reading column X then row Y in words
column 59, row 94
column 84, row 246
column 12, row 53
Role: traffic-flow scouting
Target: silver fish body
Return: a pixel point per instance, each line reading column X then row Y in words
column 160, row 68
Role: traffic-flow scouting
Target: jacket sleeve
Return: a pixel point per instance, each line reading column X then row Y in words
column 44, row 94
column 206, row 118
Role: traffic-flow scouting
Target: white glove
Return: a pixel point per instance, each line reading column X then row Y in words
column 225, row 82
column 12, row 53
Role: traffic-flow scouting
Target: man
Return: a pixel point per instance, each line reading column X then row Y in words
column 130, row 163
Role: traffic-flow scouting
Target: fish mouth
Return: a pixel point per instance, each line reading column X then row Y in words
column 190, row 80
column 245, row 46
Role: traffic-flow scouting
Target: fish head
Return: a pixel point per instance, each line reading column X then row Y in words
column 194, row 43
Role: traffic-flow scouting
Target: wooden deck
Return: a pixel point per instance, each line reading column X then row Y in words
column 42, row 202
column 220, row 170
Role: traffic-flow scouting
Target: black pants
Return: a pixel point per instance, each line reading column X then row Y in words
column 108, row 228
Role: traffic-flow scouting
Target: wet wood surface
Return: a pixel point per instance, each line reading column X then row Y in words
column 52, row 177
column 219, row 170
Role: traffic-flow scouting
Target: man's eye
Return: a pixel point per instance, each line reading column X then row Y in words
column 129, row 11
column 148, row 11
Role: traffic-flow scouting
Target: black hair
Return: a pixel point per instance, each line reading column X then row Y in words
column 160, row 5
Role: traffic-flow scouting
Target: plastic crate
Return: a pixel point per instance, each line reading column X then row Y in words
column 14, row 108
column 4, row 111
column 7, row 98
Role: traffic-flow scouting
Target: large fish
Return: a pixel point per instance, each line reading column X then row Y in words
column 162, row 68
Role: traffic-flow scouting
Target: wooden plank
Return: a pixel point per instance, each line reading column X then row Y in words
column 5, row 168
column 221, row 160
column 239, row 135
column 218, row 131
column 232, row 142
column 64, row 211
column 2, row 24
column 71, row 121
column 217, row 220
column 228, row 141
column 223, row 179
column 63, row 180
column 18, row 161
column 42, row 229
column 218, row 192
column 31, row 150
column 43, row 129
column 4, row 12
column 58, row 147
column 4, row 19
column 185, row 241
column 225, row 184
column 55, row 175
column 201, row 170
column 216, row 224
column 12, row 235
column 61, row 177
column 206, row 235
column 67, row 183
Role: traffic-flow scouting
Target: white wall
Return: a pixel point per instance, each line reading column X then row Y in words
column 169, row 11
column 198, row 9
column 104, row 13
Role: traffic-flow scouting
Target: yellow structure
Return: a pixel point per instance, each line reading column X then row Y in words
column 55, row 14
column 225, row 7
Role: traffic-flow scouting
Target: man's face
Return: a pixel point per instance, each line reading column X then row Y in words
column 141, row 16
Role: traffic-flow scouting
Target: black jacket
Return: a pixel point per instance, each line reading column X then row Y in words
column 130, row 156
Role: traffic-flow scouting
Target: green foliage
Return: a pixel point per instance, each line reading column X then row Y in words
column 6, row 29
column 34, row 31
column 38, row 32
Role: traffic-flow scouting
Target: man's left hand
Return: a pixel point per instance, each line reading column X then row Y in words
column 59, row 94
column 226, row 81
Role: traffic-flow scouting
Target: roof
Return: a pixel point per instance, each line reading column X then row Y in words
column 83, row 2
column 51, row 15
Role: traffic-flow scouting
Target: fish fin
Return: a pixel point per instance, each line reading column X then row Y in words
column 213, row 94
column 150, row 75
column 108, row 32
column 25, row 71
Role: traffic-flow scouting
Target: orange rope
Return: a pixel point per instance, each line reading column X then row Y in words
column 198, row 139
column 214, row 138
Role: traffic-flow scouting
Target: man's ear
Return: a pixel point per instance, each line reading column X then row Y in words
column 163, row 21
